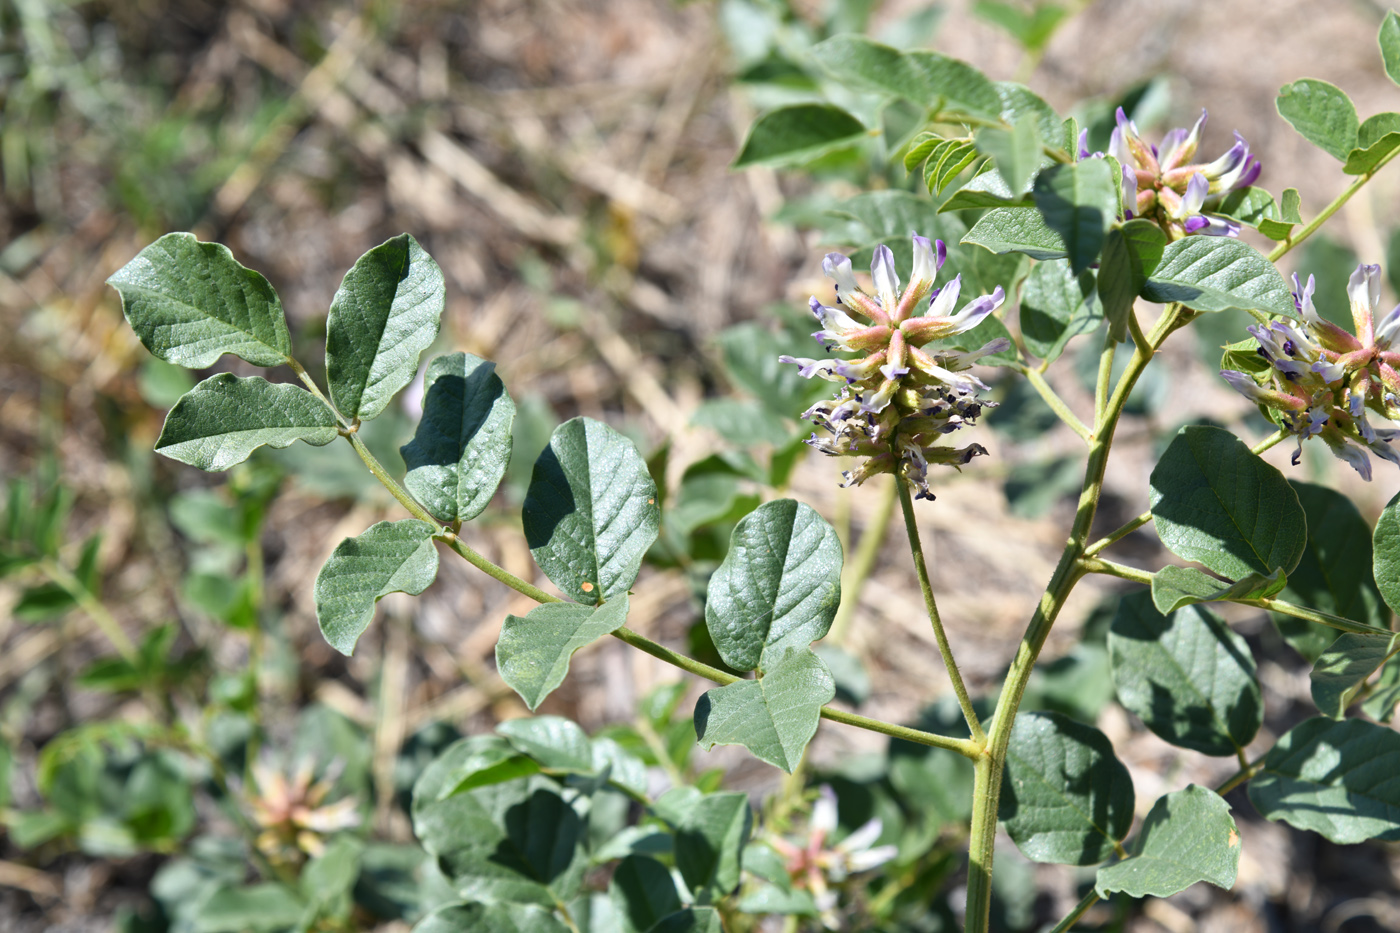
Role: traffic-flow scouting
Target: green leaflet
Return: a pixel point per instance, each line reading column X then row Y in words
column 1334, row 574
column 590, row 512
column 986, row 189
column 1247, row 205
column 872, row 66
column 559, row 744
column 1322, row 113
column 1389, row 40
column 778, row 587
column 388, row 557
column 1065, row 796
column 1019, row 230
column 711, row 831
column 1216, row 503
column 1185, row 675
column 1056, row 306
column 775, row 716
column 1386, row 544
column 799, row 133
column 1079, row 202
column 221, row 421
column 1334, row 778
column 1344, row 667
column 642, row 893
column 533, row 652
column 518, row 842
column 495, row 918
column 255, row 907
column 1210, row 273
column 1174, row 587
column 1188, row 837
column 1131, row 253
column 384, row 315
column 1016, row 152
column 191, row 302
column 468, row 763
column 1289, row 204
column 461, row 448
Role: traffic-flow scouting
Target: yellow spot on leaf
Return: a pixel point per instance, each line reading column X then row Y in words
column 1234, row 838
column 587, row 587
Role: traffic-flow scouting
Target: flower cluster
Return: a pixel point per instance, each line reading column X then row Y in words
column 1163, row 184
column 291, row 815
column 899, row 393
column 1321, row 379
column 814, row 865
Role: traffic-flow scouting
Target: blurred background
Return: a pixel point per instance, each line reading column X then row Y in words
column 567, row 163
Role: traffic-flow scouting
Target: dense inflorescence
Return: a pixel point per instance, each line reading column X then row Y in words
column 1163, row 184
column 900, row 391
column 1321, row 380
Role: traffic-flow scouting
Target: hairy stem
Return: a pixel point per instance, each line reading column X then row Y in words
column 987, row 779
column 1312, row 226
column 916, row 548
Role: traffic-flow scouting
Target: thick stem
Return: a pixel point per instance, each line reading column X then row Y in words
column 987, row 785
column 916, row 547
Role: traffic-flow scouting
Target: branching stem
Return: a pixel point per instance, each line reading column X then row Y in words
column 1057, row 404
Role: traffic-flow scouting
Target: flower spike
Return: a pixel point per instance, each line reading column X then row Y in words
column 901, row 392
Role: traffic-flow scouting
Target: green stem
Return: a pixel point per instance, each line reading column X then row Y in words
column 1057, row 404
column 1124, row 572
column 961, row 746
column 389, row 483
column 1246, row 772
column 1323, row 215
column 861, row 565
column 494, row 571
column 987, row 779
column 90, row 604
column 315, row 390
column 1080, row 909
column 916, row 547
column 1104, row 378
